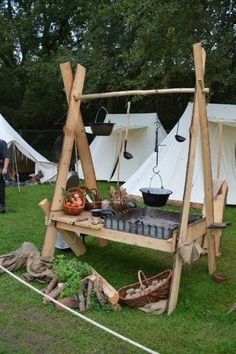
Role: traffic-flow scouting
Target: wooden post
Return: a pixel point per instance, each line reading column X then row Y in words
column 68, row 142
column 219, row 205
column 80, row 134
column 198, row 52
column 81, row 138
column 94, row 96
column 178, row 262
column 219, row 202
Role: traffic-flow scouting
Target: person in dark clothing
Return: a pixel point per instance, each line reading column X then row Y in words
column 4, row 162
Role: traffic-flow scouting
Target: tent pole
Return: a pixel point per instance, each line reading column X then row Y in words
column 220, row 127
column 119, row 156
column 76, row 160
column 17, row 174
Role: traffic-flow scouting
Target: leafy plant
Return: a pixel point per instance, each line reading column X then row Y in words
column 71, row 272
column 67, row 195
column 118, row 193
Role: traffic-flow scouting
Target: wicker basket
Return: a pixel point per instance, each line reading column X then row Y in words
column 160, row 292
column 93, row 194
column 75, row 210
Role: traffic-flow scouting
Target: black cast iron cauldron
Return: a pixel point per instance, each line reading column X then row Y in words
column 102, row 128
column 156, row 197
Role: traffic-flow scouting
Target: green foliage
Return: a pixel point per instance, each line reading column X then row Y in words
column 70, row 272
column 123, row 44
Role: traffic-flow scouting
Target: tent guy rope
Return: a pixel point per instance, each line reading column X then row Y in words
column 94, row 323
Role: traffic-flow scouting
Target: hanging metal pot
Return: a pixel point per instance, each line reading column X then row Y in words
column 155, row 197
column 101, row 128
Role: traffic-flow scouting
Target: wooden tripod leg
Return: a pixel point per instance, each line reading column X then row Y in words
column 81, row 138
column 70, row 237
column 51, row 233
column 73, row 240
column 69, row 130
column 175, row 283
column 199, row 53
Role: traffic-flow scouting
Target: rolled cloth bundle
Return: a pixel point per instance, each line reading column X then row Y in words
column 38, row 267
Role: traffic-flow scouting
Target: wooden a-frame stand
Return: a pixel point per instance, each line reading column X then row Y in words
column 74, row 130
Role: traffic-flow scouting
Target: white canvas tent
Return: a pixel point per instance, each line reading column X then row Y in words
column 105, row 150
column 173, row 156
column 20, row 147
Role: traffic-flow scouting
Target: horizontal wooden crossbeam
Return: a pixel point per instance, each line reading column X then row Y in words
column 94, row 96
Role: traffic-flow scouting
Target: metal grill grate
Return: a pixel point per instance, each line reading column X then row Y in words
column 147, row 222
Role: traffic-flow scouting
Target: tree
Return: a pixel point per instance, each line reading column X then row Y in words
column 123, row 44
column 33, row 36
column 148, row 44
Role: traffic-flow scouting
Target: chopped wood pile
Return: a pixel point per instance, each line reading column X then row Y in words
column 93, row 287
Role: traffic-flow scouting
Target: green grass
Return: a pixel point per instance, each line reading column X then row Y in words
column 198, row 325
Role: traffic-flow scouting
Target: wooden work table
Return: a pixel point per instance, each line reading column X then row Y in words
column 84, row 224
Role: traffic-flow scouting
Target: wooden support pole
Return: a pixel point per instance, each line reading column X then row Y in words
column 73, row 240
column 198, row 52
column 178, row 262
column 219, row 202
column 81, row 138
column 68, row 142
column 219, row 205
column 94, row 96
column 80, row 133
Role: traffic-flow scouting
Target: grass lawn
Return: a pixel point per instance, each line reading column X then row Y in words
column 198, row 325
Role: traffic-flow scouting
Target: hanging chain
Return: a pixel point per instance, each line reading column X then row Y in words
column 156, row 141
column 155, row 170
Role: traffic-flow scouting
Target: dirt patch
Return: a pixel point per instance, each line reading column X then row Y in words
column 16, row 338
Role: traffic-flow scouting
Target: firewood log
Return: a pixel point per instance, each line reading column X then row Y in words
column 70, row 301
column 110, row 292
column 81, row 301
column 54, row 293
column 89, row 289
column 53, row 283
column 101, row 297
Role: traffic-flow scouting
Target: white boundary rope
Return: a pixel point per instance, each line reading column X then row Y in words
column 140, row 346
